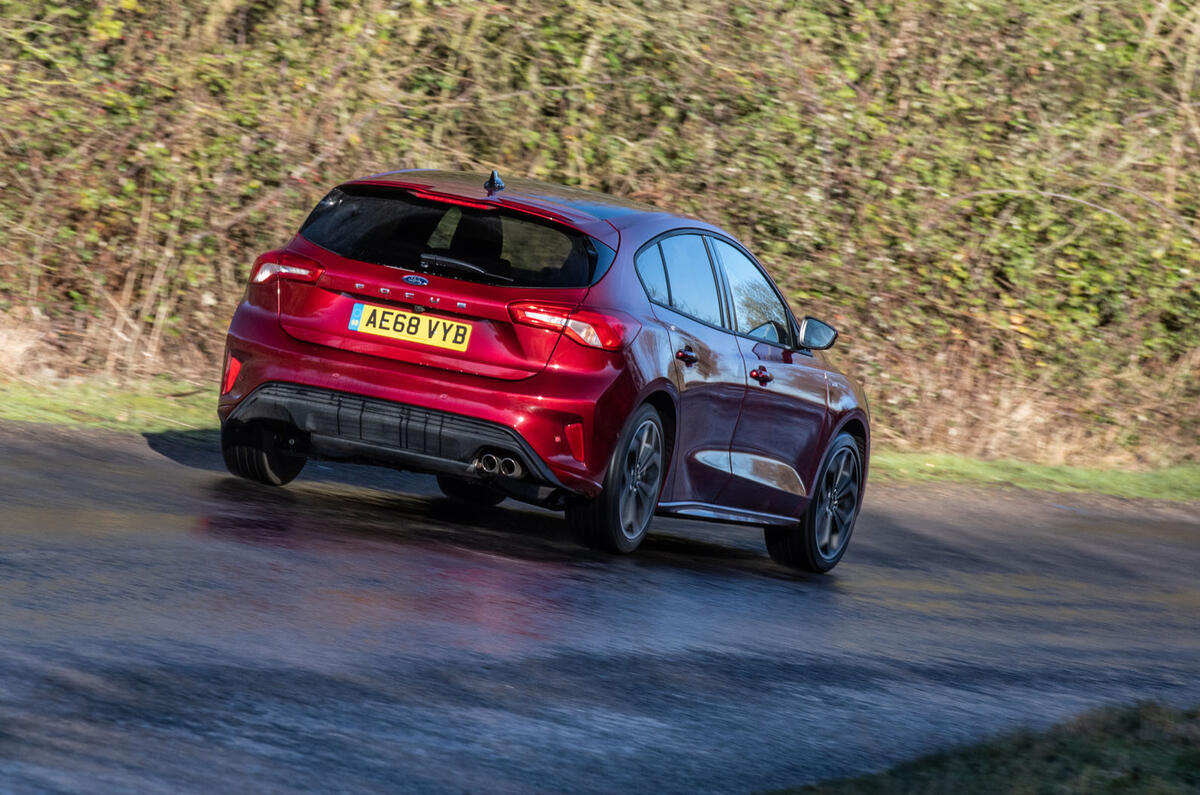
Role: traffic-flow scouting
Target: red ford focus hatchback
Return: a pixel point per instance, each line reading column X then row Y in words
column 557, row 346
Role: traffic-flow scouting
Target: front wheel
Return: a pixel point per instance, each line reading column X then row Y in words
column 617, row 519
column 818, row 541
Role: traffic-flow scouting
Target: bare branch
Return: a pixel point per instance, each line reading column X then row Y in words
column 1178, row 219
column 1032, row 192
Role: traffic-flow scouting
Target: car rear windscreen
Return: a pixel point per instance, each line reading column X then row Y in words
column 391, row 227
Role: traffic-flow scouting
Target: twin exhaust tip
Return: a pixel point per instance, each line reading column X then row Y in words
column 491, row 464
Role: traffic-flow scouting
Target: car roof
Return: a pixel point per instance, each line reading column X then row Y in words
column 597, row 214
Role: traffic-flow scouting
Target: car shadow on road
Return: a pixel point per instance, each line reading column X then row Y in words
column 316, row 515
column 383, row 504
column 200, row 448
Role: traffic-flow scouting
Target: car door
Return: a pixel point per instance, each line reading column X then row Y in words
column 775, row 445
column 708, row 370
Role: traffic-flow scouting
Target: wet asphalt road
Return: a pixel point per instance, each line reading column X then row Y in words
column 164, row 628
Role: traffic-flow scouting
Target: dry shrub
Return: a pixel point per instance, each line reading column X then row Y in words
column 17, row 348
column 996, row 202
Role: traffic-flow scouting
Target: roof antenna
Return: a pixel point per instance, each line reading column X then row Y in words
column 494, row 184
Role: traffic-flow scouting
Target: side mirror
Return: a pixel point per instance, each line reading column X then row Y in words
column 816, row 335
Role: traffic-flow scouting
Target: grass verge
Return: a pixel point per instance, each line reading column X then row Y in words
column 166, row 404
column 1171, row 483
column 158, row 404
column 1145, row 749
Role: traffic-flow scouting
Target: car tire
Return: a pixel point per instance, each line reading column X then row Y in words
column 617, row 519
column 819, row 540
column 474, row 493
column 260, row 453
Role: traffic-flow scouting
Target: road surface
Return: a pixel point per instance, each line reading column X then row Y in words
column 166, row 628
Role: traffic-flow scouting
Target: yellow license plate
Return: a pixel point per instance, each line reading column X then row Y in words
column 410, row 327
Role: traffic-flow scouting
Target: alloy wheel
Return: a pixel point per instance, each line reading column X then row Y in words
column 837, row 502
column 641, row 478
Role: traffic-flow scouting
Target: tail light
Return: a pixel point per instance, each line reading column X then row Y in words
column 594, row 329
column 233, row 366
column 284, row 265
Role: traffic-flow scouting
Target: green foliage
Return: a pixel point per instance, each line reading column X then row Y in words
column 1149, row 749
column 1007, row 188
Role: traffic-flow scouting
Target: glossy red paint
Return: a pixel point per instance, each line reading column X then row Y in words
column 563, row 368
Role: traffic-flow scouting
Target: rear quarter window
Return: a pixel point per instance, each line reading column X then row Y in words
column 690, row 276
column 654, row 277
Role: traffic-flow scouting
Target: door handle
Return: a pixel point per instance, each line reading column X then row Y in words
column 687, row 356
column 761, row 375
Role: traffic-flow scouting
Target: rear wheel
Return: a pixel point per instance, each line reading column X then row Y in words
column 818, row 541
column 261, row 453
column 617, row 519
column 466, row 491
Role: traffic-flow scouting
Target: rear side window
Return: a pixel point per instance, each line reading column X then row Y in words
column 394, row 228
column 757, row 310
column 690, row 275
column 654, row 277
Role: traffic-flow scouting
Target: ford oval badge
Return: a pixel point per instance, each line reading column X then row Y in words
column 419, row 281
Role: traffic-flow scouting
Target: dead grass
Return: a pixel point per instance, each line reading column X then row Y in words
column 958, row 404
column 17, row 343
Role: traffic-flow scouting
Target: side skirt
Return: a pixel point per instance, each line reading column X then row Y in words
column 719, row 513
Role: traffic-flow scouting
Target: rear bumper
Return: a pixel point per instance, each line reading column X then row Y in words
column 341, row 425
column 596, row 391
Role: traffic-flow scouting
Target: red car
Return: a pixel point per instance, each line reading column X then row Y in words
column 558, row 346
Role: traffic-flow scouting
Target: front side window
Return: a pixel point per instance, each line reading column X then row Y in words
column 757, row 310
column 690, row 275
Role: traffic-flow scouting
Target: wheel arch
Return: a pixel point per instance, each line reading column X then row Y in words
column 666, row 403
column 858, row 426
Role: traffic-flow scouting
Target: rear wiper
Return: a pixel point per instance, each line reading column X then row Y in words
column 450, row 263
